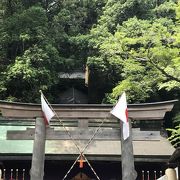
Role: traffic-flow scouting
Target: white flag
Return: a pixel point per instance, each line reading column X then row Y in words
column 163, row 178
column 46, row 110
column 121, row 112
column 125, row 130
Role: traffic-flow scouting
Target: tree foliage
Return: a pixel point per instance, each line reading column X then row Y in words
column 174, row 137
column 142, row 52
column 128, row 45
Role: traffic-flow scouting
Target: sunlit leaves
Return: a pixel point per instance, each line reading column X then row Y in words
column 167, row 9
column 30, row 73
column 147, row 53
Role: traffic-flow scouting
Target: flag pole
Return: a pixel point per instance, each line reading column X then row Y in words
column 127, row 157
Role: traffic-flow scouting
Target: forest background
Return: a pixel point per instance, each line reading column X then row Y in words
column 128, row 45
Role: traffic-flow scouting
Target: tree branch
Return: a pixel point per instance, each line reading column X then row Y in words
column 157, row 67
column 163, row 71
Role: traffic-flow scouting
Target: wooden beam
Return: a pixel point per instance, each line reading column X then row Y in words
column 82, row 134
column 82, row 124
column 92, row 157
column 144, row 111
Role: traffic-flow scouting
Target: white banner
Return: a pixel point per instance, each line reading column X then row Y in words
column 163, row 178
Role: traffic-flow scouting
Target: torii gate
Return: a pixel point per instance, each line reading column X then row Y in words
column 145, row 111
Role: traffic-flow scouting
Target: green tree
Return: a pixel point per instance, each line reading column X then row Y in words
column 38, row 39
column 71, row 25
column 149, row 54
column 128, row 45
column 30, row 60
column 144, row 55
column 30, row 73
column 174, row 137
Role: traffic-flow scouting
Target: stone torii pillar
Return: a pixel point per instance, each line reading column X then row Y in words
column 127, row 157
column 37, row 166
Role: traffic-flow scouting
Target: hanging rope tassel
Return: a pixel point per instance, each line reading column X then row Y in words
column 17, row 174
column 4, row 175
column 155, row 176
column 81, row 162
column 23, row 175
column 142, row 175
column 148, row 178
column 160, row 173
column 11, row 174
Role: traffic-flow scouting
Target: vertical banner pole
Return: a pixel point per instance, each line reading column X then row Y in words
column 37, row 166
column 127, row 157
